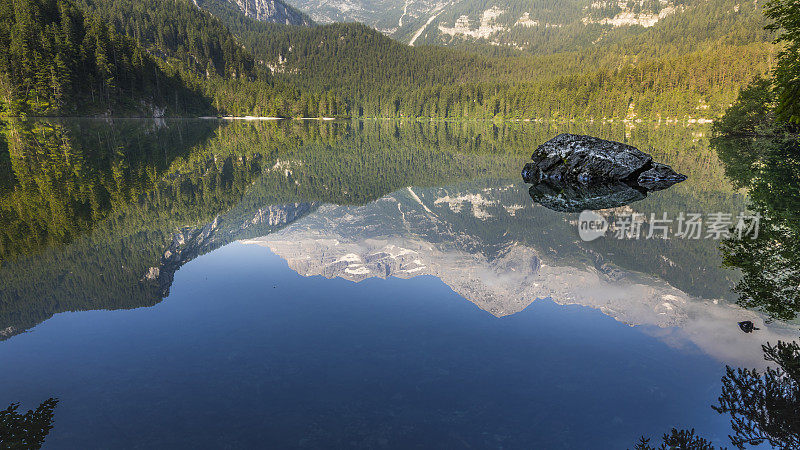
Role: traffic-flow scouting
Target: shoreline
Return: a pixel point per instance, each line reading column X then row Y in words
column 604, row 121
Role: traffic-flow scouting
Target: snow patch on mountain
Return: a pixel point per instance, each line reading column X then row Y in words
column 476, row 201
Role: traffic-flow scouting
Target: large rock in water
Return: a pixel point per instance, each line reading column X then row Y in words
column 571, row 173
column 586, row 159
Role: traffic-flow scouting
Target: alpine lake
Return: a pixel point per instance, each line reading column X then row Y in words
column 362, row 284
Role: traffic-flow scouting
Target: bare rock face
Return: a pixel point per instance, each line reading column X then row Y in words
column 572, row 172
column 274, row 11
column 588, row 159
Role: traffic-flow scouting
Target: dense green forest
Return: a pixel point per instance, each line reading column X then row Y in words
column 185, row 35
column 785, row 16
column 770, row 105
column 180, row 59
column 351, row 70
column 56, row 60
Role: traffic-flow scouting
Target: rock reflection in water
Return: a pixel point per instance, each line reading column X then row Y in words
column 570, row 198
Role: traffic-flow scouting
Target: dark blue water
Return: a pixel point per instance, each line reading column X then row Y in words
column 247, row 353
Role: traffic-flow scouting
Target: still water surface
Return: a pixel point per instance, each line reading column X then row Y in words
column 204, row 285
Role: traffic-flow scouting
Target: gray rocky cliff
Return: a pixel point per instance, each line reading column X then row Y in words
column 274, row 11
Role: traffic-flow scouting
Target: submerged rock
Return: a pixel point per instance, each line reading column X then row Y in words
column 572, row 172
column 577, row 197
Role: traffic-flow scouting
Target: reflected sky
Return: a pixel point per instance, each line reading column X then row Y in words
column 246, row 352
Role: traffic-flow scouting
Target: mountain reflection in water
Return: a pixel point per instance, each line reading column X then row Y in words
column 464, row 236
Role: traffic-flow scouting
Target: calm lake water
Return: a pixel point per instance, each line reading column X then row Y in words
column 201, row 284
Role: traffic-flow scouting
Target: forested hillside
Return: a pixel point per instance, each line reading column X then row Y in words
column 56, row 60
column 352, row 70
column 685, row 67
column 179, row 32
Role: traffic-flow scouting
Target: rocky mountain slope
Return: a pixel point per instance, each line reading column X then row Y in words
column 272, row 11
column 538, row 24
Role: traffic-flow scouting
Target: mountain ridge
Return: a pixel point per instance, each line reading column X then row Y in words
column 543, row 26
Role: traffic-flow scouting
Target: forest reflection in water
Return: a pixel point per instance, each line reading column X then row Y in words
column 114, row 197
column 100, row 215
column 763, row 405
column 769, row 168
